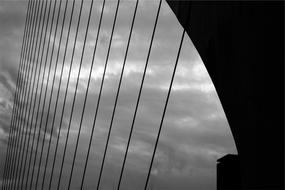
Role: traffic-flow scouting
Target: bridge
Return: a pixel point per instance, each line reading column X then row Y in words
column 239, row 44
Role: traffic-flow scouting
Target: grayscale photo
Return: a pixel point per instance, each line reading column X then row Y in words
column 141, row 94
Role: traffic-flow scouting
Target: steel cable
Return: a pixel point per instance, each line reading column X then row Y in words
column 40, row 96
column 164, row 111
column 87, row 88
column 30, row 69
column 56, row 103
column 47, row 82
column 23, row 124
column 52, row 88
column 23, row 165
column 118, row 91
column 76, row 86
column 139, row 95
column 56, row 64
column 167, row 98
column 18, row 136
column 45, row 94
column 17, row 91
column 92, row 63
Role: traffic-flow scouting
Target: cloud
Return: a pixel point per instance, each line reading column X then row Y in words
column 195, row 131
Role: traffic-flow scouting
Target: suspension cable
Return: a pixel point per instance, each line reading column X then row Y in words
column 118, row 91
column 31, row 113
column 26, row 73
column 16, row 140
column 10, row 165
column 39, row 102
column 108, row 53
column 22, row 112
column 75, row 92
column 47, row 82
column 90, row 73
column 103, row 78
column 76, row 87
column 17, row 91
column 49, row 103
column 164, row 110
column 139, row 95
column 23, row 144
column 72, row 57
column 31, row 102
column 56, row 103
column 53, row 80
column 167, row 99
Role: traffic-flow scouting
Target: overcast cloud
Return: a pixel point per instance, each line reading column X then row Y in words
column 195, row 131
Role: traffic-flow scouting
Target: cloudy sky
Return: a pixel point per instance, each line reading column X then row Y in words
column 195, row 132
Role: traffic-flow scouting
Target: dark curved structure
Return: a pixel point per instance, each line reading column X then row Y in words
column 242, row 47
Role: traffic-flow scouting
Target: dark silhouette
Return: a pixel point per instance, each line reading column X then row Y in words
column 241, row 45
column 228, row 173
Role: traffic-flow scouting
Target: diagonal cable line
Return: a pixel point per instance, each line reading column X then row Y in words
column 42, row 86
column 77, row 80
column 30, row 69
column 16, row 144
column 167, row 99
column 11, row 154
column 26, row 161
column 56, row 104
column 104, row 70
column 72, row 57
column 76, row 87
column 27, row 139
column 9, row 148
column 46, row 89
column 33, row 96
column 11, row 142
column 39, row 102
column 12, row 160
column 26, row 73
column 118, row 90
column 139, row 95
column 17, row 91
column 24, row 130
column 90, row 73
column 85, row 37
column 88, row 84
column 23, row 123
column 26, row 100
column 164, row 110
column 75, row 41
column 106, row 63
column 53, row 80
